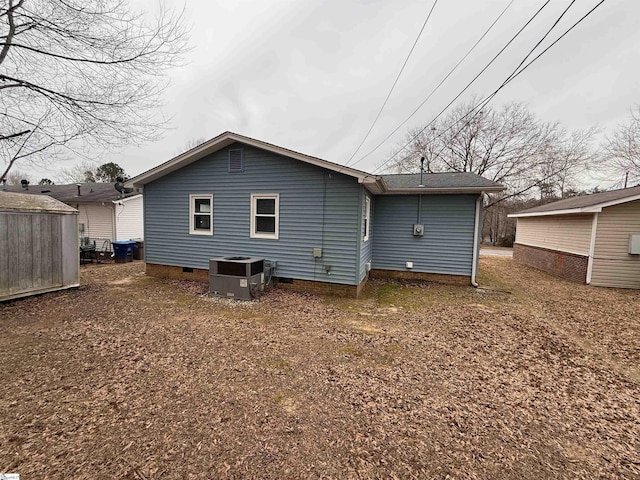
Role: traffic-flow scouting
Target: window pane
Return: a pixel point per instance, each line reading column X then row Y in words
column 265, row 225
column 266, row 206
column 202, row 222
column 203, row 205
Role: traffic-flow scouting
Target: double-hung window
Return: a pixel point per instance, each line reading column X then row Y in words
column 265, row 215
column 201, row 214
column 367, row 218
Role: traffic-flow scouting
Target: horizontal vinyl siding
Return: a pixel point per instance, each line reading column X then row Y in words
column 565, row 233
column 129, row 222
column 317, row 209
column 447, row 244
column 97, row 219
column 612, row 264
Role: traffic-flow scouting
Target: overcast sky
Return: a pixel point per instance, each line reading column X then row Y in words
column 311, row 75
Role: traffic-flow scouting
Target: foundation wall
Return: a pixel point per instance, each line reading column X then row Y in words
column 569, row 266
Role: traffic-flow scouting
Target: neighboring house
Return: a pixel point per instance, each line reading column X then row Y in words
column 102, row 213
column 593, row 239
column 324, row 226
column 38, row 245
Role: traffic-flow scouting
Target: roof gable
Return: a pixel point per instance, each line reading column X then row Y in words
column 456, row 182
column 228, row 138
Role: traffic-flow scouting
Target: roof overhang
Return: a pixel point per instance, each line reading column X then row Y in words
column 577, row 211
column 371, row 182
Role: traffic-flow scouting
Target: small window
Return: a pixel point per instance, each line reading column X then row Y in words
column 265, row 215
column 201, row 214
column 236, row 161
column 367, row 218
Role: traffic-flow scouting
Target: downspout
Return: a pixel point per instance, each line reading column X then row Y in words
column 476, row 247
column 592, row 248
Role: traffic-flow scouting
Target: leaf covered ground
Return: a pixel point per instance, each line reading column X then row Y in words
column 135, row 377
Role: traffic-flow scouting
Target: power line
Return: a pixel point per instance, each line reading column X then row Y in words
column 486, row 100
column 446, row 77
column 384, row 104
column 509, row 79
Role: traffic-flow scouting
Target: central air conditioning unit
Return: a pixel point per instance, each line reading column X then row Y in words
column 236, row 277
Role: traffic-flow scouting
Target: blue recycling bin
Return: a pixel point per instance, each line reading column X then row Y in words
column 123, row 250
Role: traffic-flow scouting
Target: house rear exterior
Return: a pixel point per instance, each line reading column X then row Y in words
column 324, row 227
column 586, row 239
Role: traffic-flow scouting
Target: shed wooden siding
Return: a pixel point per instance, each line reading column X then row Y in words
column 129, row 218
column 447, row 244
column 565, row 233
column 612, row 264
column 97, row 220
column 317, row 209
column 38, row 253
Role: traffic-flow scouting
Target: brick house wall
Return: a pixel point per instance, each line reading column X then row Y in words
column 569, row 266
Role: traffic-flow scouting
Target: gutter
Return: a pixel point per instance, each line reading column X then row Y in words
column 476, row 247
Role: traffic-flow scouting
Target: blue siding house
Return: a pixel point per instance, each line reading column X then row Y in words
column 324, row 226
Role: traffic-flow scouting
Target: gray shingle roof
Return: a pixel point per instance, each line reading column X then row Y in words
column 89, row 192
column 20, row 202
column 448, row 180
column 584, row 201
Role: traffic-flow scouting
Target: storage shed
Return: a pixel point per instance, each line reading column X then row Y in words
column 593, row 239
column 38, row 245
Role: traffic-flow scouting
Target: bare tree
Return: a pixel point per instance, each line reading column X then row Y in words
column 622, row 149
column 507, row 145
column 77, row 75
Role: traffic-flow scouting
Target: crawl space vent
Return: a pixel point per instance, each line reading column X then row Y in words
column 236, row 161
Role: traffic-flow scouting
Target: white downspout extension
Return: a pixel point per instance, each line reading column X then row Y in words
column 476, row 247
column 592, row 247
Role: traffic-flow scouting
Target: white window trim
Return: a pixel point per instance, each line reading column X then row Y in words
column 261, row 196
column 367, row 217
column 192, row 213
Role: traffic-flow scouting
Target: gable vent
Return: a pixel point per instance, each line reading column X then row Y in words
column 236, row 161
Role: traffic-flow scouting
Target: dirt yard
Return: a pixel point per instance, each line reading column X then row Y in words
column 132, row 377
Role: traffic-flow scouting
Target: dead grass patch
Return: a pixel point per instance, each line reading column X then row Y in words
column 135, row 377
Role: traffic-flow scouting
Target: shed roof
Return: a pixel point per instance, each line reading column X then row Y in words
column 25, row 203
column 448, row 182
column 584, row 204
column 89, row 192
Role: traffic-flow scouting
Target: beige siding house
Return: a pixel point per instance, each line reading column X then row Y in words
column 593, row 239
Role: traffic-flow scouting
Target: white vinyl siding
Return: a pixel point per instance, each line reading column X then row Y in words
column 129, row 223
column 564, row 233
column 97, row 220
column 613, row 266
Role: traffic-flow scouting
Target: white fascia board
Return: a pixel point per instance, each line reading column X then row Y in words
column 226, row 139
column 570, row 211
